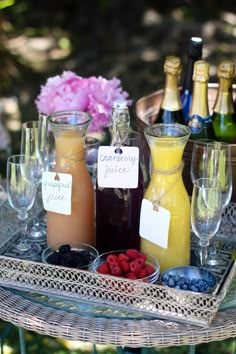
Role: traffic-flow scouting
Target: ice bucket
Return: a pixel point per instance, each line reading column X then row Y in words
column 146, row 110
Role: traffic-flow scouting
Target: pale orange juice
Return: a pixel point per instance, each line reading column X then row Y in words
column 79, row 226
column 167, row 186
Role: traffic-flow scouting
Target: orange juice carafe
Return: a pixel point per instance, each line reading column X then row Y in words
column 167, row 143
column 69, row 129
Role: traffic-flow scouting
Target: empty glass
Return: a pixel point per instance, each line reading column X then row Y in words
column 34, row 146
column 205, row 212
column 21, row 195
column 91, row 147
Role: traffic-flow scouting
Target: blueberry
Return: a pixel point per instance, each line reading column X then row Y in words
column 194, row 288
column 171, row 282
column 184, row 286
column 176, row 278
column 193, row 281
column 211, row 282
column 165, row 277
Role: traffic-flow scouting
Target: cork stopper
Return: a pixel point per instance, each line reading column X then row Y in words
column 226, row 69
column 201, row 71
column 172, row 65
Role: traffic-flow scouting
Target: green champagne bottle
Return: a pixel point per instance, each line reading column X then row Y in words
column 171, row 107
column 199, row 117
column 223, row 118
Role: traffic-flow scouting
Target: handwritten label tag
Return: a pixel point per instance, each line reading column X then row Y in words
column 56, row 192
column 154, row 225
column 118, row 167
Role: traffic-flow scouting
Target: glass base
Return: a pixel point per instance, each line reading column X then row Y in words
column 28, row 249
column 37, row 234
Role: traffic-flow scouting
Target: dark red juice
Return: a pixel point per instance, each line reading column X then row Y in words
column 117, row 217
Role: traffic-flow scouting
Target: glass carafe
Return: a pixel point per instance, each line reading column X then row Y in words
column 69, row 129
column 166, row 187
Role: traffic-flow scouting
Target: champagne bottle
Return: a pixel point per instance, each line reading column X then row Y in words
column 118, row 209
column 194, row 53
column 223, row 111
column 199, row 117
column 171, row 107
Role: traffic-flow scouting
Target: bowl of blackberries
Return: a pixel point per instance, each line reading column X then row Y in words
column 72, row 255
column 130, row 264
column 189, row 278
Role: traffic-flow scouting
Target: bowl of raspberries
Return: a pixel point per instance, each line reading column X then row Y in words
column 130, row 264
column 189, row 278
column 72, row 255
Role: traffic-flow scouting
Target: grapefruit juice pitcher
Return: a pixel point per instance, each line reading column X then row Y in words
column 69, row 129
column 167, row 143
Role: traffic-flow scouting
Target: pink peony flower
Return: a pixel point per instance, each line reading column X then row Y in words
column 94, row 95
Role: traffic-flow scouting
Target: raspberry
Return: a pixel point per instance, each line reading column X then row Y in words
column 140, row 261
column 115, row 269
column 103, row 268
column 125, row 266
column 132, row 253
column 135, row 267
column 63, row 249
column 141, row 274
column 112, row 259
column 123, row 257
column 131, row 275
column 149, row 269
column 143, row 256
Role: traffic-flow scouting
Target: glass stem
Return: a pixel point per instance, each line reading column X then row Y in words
column 203, row 253
column 23, row 227
column 213, row 248
column 35, row 210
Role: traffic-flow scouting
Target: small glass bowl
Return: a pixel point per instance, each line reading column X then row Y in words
column 150, row 260
column 76, row 248
column 189, row 278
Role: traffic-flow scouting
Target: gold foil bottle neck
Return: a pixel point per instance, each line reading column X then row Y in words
column 201, row 71
column 226, row 69
column 172, row 65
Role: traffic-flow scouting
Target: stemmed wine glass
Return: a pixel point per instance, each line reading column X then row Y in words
column 21, row 195
column 34, row 146
column 212, row 159
column 205, row 212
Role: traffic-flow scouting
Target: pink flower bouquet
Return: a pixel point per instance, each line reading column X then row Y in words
column 94, row 95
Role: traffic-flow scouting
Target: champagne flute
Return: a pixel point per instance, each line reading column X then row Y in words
column 212, row 159
column 34, row 146
column 21, row 195
column 205, row 212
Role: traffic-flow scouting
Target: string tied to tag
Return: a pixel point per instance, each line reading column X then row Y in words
column 156, row 201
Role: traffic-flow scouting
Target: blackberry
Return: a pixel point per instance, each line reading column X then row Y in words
column 54, row 258
column 63, row 249
column 86, row 257
column 68, row 260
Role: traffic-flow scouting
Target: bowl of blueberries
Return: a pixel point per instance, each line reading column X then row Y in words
column 189, row 278
column 72, row 255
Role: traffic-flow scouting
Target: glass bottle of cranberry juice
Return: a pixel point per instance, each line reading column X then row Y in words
column 118, row 209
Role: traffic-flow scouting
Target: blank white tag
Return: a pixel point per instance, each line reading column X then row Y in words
column 154, row 225
column 56, row 192
column 118, row 167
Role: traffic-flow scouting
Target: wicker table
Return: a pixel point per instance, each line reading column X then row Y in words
column 54, row 321
column 132, row 333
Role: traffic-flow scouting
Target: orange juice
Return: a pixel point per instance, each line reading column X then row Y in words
column 79, row 226
column 167, row 187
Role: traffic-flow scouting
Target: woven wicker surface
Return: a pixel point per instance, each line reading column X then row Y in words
column 133, row 333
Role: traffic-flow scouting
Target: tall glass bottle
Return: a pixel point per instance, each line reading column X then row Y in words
column 118, row 209
column 194, row 53
column 199, row 117
column 223, row 111
column 171, row 107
